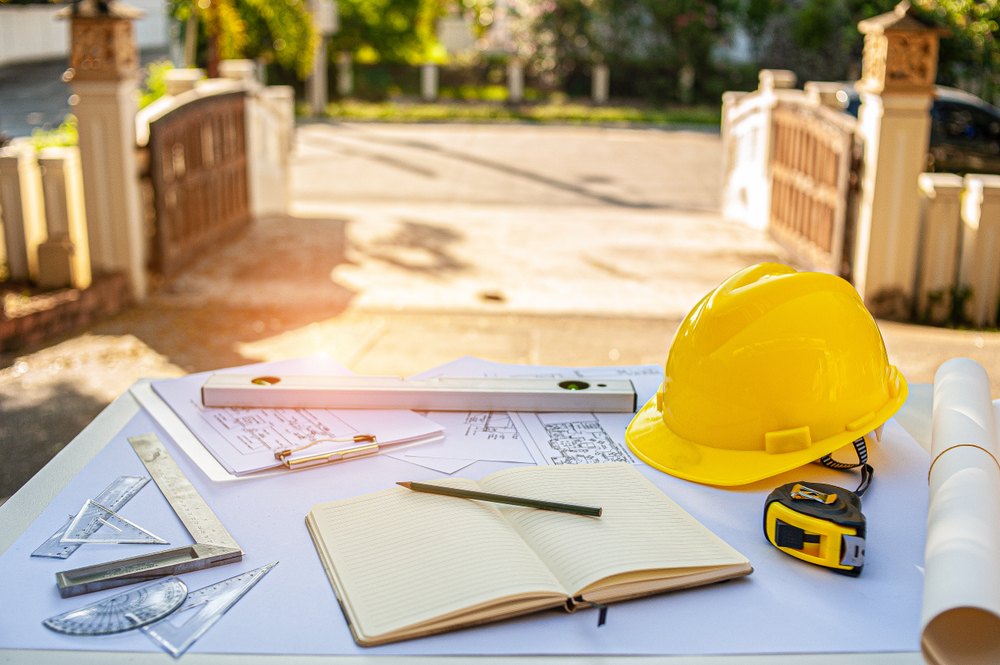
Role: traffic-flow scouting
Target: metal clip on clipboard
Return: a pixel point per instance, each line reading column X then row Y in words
column 331, row 457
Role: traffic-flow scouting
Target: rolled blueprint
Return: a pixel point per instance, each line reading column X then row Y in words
column 960, row 617
column 963, row 412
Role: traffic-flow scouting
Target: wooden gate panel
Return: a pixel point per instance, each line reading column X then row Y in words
column 198, row 170
column 810, row 180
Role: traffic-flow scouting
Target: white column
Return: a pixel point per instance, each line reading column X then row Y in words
column 345, row 74
column 941, row 195
column 979, row 267
column 896, row 128
column 12, row 214
column 22, row 210
column 515, row 81
column 106, row 116
column 318, row 94
column 600, row 84
column 428, row 81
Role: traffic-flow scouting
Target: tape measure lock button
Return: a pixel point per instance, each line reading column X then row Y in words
column 818, row 523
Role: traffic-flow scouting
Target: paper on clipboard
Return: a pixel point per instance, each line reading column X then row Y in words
column 552, row 438
column 243, row 441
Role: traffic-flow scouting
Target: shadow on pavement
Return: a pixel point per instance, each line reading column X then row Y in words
column 273, row 277
column 33, row 431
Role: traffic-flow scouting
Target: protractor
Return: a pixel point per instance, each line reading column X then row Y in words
column 131, row 609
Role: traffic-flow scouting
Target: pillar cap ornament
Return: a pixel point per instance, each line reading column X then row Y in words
column 103, row 46
column 900, row 52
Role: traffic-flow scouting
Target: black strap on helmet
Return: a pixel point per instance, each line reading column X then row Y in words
column 867, row 472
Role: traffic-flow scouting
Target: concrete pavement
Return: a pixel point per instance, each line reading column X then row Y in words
column 413, row 245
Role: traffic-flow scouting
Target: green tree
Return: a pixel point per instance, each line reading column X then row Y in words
column 276, row 30
column 970, row 58
column 389, row 30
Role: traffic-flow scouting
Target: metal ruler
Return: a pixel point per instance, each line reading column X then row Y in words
column 213, row 544
column 446, row 394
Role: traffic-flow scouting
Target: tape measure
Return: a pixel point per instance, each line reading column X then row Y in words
column 821, row 523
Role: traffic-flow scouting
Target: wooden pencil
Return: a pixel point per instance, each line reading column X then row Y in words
column 501, row 498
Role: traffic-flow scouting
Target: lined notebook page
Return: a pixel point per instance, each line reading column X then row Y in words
column 641, row 528
column 403, row 557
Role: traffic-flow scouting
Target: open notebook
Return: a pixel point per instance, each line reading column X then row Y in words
column 407, row 564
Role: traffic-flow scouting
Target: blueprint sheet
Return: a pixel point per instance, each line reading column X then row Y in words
column 553, row 438
column 244, row 440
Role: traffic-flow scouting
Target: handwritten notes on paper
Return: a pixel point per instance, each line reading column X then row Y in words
column 245, row 440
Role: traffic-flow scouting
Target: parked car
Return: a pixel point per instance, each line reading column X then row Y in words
column 965, row 131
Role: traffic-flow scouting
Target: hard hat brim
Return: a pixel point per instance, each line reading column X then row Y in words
column 657, row 445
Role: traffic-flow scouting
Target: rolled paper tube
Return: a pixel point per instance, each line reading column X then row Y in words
column 960, row 618
column 963, row 412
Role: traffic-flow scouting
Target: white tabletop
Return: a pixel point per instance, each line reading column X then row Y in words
column 21, row 510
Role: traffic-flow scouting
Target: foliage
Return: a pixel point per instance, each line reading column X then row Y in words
column 64, row 135
column 542, row 112
column 155, row 85
column 557, row 36
column 389, row 30
column 562, row 38
column 819, row 40
column 970, row 58
column 275, row 30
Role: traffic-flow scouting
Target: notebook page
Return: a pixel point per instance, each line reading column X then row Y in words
column 402, row 557
column 641, row 528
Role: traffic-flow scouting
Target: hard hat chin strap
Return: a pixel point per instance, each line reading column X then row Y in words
column 867, row 472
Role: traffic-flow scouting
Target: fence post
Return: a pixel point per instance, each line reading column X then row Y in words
column 63, row 259
column 105, row 61
column 429, row 81
column 22, row 210
column 600, row 84
column 940, row 199
column 897, row 89
column 979, row 269
column 515, row 81
column 324, row 20
column 345, row 74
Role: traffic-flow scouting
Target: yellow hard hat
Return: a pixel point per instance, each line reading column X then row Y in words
column 770, row 371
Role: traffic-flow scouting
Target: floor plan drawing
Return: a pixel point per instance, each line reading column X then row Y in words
column 490, row 424
column 573, row 438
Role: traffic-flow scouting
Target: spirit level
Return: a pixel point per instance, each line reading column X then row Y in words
column 446, row 394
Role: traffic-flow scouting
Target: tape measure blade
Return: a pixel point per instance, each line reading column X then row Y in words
column 189, row 506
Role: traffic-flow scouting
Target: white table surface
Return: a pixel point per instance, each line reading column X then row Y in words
column 20, row 511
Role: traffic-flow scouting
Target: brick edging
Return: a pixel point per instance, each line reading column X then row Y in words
column 53, row 314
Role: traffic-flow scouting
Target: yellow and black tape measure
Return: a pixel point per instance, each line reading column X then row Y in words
column 821, row 523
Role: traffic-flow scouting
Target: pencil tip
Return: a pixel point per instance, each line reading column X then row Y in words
column 405, row 484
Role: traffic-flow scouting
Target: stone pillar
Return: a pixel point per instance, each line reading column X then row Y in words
column 515, row 81
column 63, row 259
column 104, row 63
column 600, row 84
column 428, row 81
column 897, row 90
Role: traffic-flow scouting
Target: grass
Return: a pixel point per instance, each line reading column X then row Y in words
column 554, row 112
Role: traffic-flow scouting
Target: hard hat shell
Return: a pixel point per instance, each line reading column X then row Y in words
column 770, row 371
